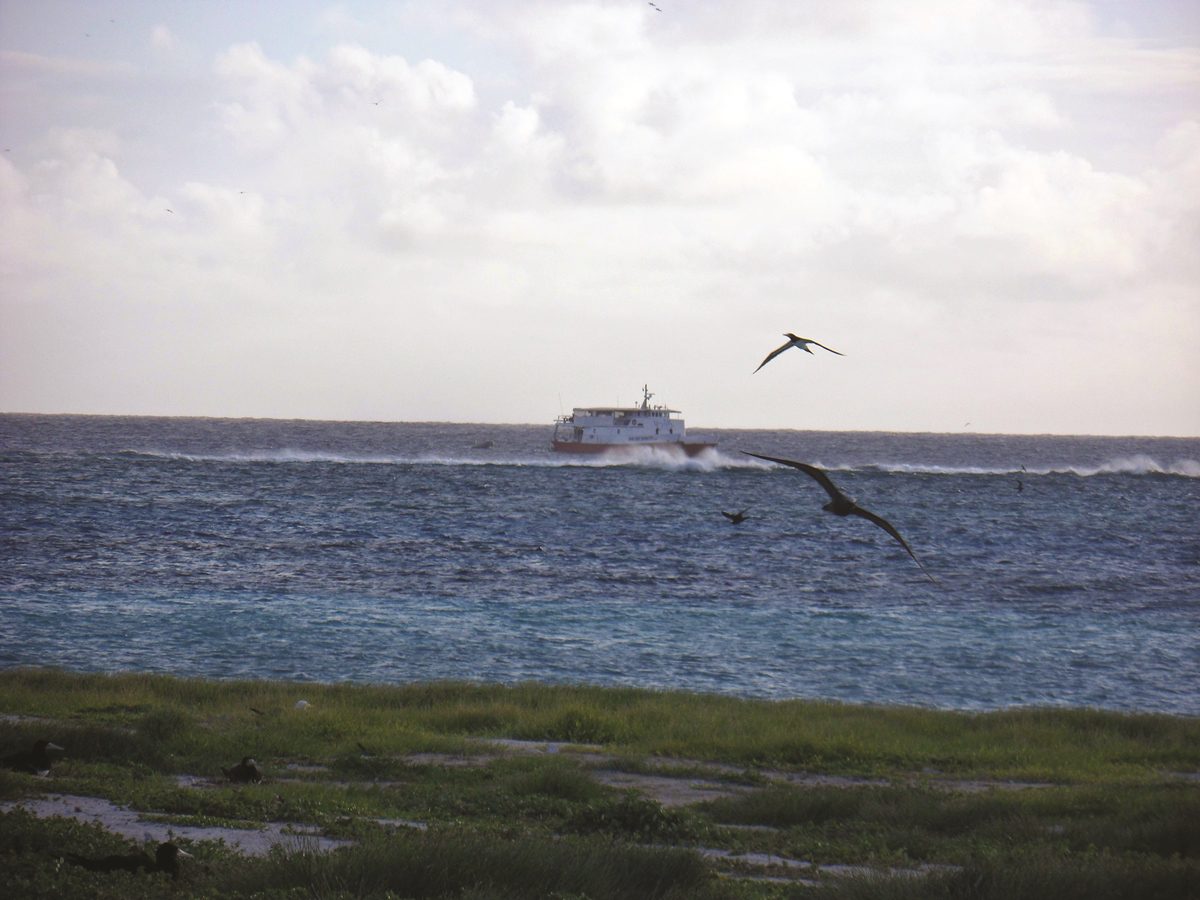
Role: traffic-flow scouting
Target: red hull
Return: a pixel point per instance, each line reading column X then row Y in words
column 686, row 448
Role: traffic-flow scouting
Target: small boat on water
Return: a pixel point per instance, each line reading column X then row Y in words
column 602, row 429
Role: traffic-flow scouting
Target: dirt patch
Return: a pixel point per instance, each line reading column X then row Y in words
column 255, row 841
column 669, row 790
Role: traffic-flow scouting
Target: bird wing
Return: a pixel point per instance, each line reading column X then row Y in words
column 820, row 477
column 823, row 347
column 887, row 526
column 772, row 355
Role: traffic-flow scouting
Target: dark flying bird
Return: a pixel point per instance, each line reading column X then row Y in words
column 33, row 762
column 794, row 341
column 736, row 518
column 166, row 859
column 244, row 772
column 256, row 711
column 841, row 505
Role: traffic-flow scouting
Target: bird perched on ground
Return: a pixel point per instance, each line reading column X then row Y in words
column 166, row 859
column 33, row 762
column 841, row 505
column 244, row 772
column 736, row 517
column 794, row 341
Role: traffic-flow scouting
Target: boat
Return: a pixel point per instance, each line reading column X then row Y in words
column 603, row 429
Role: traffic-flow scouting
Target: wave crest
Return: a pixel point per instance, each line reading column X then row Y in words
column 668, row 460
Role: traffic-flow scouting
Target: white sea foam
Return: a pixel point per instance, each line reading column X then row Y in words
column 1131, row 465
column 661, row 458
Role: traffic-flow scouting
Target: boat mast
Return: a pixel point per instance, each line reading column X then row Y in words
column 646, row 395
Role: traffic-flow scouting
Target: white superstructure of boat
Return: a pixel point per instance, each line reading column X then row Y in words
column 601, row 429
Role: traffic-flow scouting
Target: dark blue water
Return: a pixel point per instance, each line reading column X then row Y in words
column 402, row 552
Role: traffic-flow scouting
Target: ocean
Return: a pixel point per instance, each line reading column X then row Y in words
column 1067, row 568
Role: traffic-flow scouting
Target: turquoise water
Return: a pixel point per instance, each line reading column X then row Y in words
column 401, row 552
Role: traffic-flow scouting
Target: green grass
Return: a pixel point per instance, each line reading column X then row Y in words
column 194, row 722
column 1116, row 816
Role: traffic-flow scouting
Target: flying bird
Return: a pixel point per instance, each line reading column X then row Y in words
column 736, row 517
column 654, row 5
column 794, row 341
column 32, row 762
column 841, row 505
column 244, row 772
column 166, row 859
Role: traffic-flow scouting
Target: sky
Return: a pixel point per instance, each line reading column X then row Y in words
column 493, row 211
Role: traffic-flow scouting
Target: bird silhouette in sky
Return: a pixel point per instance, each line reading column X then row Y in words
column 794, row 341
column 841, row 505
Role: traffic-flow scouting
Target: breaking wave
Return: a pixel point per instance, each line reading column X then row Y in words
column 1125, row 465
column 667, row 460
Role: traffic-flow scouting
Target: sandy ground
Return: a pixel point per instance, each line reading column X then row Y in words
column 130, row 824
column 702, row 781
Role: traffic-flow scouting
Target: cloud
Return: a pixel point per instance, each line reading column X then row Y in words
column 162, row 40
column 19, row 67
column 674, row 189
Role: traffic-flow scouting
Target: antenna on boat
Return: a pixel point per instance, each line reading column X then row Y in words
column 646, row 395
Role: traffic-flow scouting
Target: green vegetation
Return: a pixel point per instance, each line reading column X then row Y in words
column 1023, row 803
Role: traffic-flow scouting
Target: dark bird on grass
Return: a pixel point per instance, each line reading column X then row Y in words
column 166, row 859
column 736, row 518
column 256, row 711
column 794, row 341
column 244, row 772
column 33, row 762
column 841, row 505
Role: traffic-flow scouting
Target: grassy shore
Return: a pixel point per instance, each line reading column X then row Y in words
column 799, row 799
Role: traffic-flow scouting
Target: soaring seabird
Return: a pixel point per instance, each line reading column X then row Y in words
column 841, row 505
column 736, row 518
column 245, row 771
column 166, row 859
column 32, row 762
column 794, row 341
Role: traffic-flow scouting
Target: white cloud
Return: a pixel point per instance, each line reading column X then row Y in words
column 680, row 186
column 163, row 40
